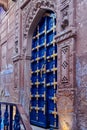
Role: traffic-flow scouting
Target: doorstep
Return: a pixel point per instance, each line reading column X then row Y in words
column 39, row 128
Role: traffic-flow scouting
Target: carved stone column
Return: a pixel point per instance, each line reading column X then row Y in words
column 65, row 40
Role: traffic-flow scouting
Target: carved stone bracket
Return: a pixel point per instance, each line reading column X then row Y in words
column 21, row 57
column 65, row 41
column 64, row 35
column 17, row 58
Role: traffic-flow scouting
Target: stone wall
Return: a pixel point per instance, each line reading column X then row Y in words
column 7, row 32
column 81, row 64
column 16, row 28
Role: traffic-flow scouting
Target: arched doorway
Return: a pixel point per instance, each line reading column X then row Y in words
column 43, row 110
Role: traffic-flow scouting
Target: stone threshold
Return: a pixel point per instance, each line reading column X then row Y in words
column 39, row 128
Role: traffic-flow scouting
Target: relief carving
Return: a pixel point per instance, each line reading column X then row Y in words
column 65, row 64
column 31, row 10
column 64, row 11
column 65, row 19
column 16, row 32
column 67, row 14
column 64, row 2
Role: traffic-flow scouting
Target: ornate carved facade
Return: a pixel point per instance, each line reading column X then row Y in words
column 17, row 28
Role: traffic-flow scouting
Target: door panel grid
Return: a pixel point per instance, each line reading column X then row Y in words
column 43, row 110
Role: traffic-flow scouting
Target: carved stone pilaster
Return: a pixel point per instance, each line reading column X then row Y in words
column 17, row 57
column 17, row 32
column 66, row 82
column 65, row 40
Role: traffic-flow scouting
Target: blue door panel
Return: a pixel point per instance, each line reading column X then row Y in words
column 43, row 109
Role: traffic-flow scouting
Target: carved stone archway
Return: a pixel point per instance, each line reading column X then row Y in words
column 31, row 11
column 31, row 15
column 4, row 4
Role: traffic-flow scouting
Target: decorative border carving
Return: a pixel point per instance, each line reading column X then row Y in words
column 65, row 18
column 16, row 49
column 65, row 64
column 17, row 58
column 30, row 11
column 64, row 14
column 64, row 3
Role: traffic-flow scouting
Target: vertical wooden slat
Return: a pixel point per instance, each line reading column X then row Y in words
column 6, row 115
column 11, row 117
